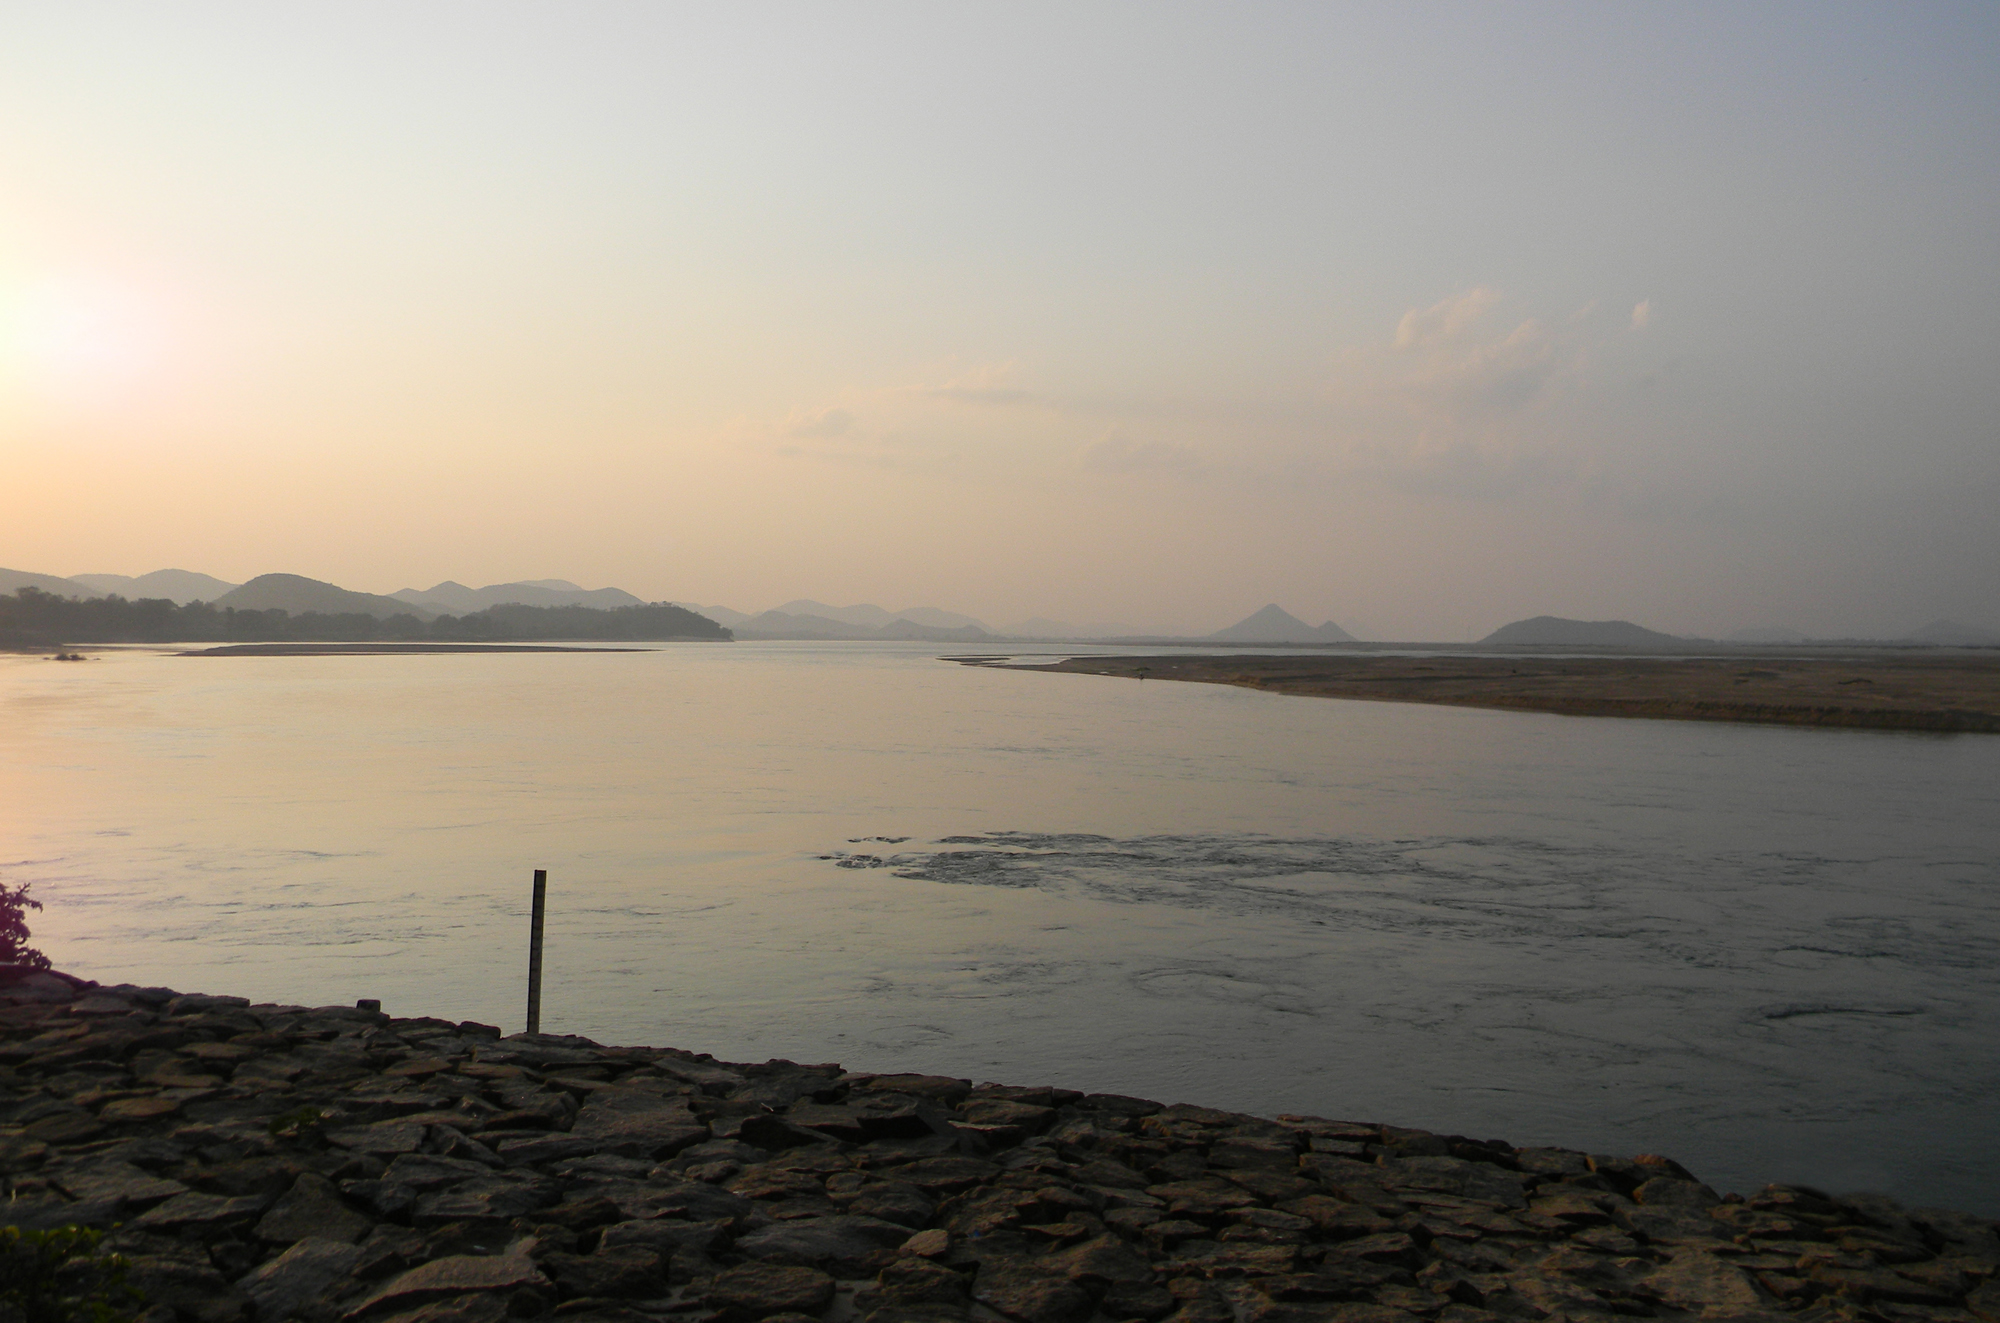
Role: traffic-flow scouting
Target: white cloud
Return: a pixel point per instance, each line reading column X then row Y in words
column 989, row 383
column 1461, row 400
column 1446, row 321
column 1467, row 397
column 975, row 394
column 952, row 418
column 826, row 422
column 1447, row 362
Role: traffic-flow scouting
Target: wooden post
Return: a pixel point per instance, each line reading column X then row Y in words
column 535, row 951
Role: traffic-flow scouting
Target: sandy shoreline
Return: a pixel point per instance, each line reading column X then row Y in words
column 321, row 1163
column 1953, row 693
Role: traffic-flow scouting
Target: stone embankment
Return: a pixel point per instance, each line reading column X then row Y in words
column 265, row 1162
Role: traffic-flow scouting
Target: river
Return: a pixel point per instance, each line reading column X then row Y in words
column 1767, row 952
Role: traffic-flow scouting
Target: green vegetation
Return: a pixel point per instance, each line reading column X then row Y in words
column 58, row 1276
column 297, row 1123
column 14, row 948
column 33, row 618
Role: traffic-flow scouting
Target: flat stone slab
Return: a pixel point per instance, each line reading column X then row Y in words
column 308, row 1272
column 759, row 1290
column 455, row 1275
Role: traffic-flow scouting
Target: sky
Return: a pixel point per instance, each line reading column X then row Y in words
column 1417, row 317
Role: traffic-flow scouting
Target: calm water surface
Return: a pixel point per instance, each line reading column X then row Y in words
column 1770, row 953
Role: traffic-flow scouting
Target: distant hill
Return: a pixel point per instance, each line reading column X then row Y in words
column 1274, row 624
column 721, row 615
column 1768, row 634
column 661, row 621
column 456, row 599
column 1041, row 627
column 177, row 586
column 296, row 593
column 35, row 618
column 864, row 616
column 1951, row 634
column 932, row 618
column 786, row 625
column 1578, row 633
column 867, row 615
column 903, row 627
column 13, row 581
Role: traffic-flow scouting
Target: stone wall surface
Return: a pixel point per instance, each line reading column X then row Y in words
column 258, row 1163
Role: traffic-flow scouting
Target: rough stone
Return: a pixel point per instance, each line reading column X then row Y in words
column 545, row 1148
column 1254, row 1151
column 667, row 1236
column 617, row 1272
column 674, row 1197
column 1873, row 1284
column 188, row 1285
column 1672, row 1192
column 386, row 1138
column 455, row 1275
column 1031, row 1296
column 121, row 1181
column 634, row 1120
column 40, row 986
column 761, row 1290
column 1672, row 1222
column 47, row 1214
column 312, row 1208
column 941, row 1089
column 847, row 1246
column 1472, row 1180
column 257, row 1146
column 485, row 1197
column 482, row 1308
column 306, row 1275
column 894, row 1201
column 201, row 1210
column 946, row 1175
column 935, row 1312
column 138, row 1109
column 1100, row 1262
column 1965, row 1232
column 1141, row 1300
column 1201, row 1198
column 917, row 1281
column 1701, row 1281
column 834, row 1120
column 928, row 1244
column 1026, row 1117
column 64, row 1129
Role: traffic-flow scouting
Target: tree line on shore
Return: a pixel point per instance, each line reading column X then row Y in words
column 33, row 618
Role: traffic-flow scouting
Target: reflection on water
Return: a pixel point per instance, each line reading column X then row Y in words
column 1768, row 952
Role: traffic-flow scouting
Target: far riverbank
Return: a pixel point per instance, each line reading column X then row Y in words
column 1953, row 693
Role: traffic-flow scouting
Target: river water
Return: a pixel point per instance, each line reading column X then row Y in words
column 1767, row 952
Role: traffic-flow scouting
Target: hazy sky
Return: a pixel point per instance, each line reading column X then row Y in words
column 1418, row 317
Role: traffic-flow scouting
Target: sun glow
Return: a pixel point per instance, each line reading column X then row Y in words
column 79, row 338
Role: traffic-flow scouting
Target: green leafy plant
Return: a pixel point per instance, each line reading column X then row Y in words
column 299, row 1123
column 58, row 1276
column 14, row 906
